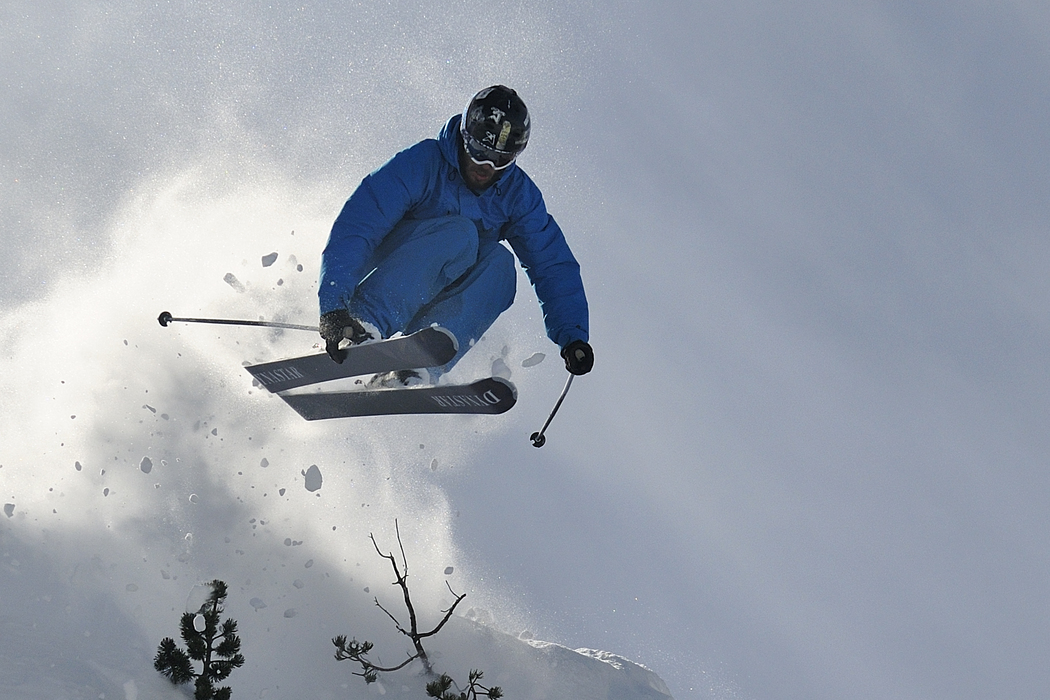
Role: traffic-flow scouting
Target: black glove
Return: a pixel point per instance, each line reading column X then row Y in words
column 579, row 357
column 339, row 324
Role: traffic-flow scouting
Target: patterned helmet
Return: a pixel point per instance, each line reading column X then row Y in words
column 495, row 127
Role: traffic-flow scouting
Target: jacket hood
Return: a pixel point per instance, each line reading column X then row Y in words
column 448, row 141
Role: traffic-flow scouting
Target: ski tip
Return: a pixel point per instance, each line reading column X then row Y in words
column 507, row 383
column 449, row 334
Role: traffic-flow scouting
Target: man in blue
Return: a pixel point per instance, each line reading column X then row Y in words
column 418, row 243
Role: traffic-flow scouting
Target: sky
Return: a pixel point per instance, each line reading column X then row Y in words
column 811, row 459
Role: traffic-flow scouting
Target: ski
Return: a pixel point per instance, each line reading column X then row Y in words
column 487, row 396
column 430, row 347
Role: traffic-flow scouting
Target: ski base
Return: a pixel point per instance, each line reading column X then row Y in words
column 486, row 396
column 430, row 347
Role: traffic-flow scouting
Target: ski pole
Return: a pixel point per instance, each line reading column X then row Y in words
column 165, row 318
column 538, row 438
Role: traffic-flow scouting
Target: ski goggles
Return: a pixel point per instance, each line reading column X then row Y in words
column 483, row 155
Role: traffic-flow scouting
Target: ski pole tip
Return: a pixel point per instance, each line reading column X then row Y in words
column 165, row 318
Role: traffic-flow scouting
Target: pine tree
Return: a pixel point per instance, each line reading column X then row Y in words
column 216, row 646
column 442, row 689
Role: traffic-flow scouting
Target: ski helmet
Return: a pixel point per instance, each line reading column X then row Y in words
column 495, row 127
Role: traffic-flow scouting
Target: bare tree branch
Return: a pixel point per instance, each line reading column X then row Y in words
column 448, row 613
column 400, row 666
column 396, row 623
column 356, row 651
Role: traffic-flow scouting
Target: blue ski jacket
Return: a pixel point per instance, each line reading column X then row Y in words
column 424, row 182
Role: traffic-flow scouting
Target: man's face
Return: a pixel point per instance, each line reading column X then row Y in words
column 477, row 177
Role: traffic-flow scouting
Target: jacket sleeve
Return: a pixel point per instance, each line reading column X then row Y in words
column 376, row 206
column 541, row 247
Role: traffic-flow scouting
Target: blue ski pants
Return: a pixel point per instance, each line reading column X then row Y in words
column 429, row 271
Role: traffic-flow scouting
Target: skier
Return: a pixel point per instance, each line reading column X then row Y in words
column 418, row 243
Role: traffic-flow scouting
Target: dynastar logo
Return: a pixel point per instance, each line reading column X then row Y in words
column 489, row 398
column 276, row 376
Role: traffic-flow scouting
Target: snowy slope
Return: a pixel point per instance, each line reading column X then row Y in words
column 79, row 633
column 65, row 641
column 66, row 636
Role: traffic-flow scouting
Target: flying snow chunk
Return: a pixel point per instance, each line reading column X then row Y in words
column 500, row 368
column 146, row 465
column 264, row 463
column 449, row 570
column 257, row 603
column 533, row 360
column 9, row 509
column 313, row 478
column 199, row 623
column 198, row 597
column 290, row 612
column 231, row 279
column 268, row 260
